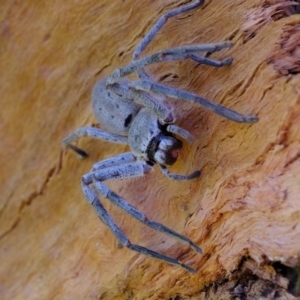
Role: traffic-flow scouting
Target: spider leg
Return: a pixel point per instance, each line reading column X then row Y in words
column 171, row 92
column 138, row 168
column 152, row 102
column 106, row 219
column 156, row 27
column 177, row 53
column 117, row 160
column 93, row 132
column 211, row 62
column 181, row 132
column 144, row 98
column 178, row 177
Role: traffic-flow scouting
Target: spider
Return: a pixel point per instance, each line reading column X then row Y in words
column 133, row 113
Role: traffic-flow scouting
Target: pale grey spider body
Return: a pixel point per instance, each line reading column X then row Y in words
column 133, row 114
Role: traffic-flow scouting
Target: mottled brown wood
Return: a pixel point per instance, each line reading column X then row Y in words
column 246, row 203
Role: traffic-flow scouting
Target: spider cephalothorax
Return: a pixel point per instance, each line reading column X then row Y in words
column 134, row 113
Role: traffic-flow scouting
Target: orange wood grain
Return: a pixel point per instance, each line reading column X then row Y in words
column 246, row 203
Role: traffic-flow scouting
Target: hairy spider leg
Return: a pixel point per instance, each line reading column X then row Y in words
column 155, row 28
column 127, row 170
column 211, row 62
column 152, row 102
column 171, row 92
column 179, row 177
column 158, row 108
column 117, row 160
column 177, row 53
column 92, row 132
column 181, row 132
column 106, row 219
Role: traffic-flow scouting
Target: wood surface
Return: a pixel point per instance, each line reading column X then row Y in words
column 244, row 210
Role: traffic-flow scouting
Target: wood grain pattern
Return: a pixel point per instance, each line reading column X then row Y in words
column 246, row 203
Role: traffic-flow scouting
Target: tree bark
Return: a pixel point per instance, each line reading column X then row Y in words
column 243, row 210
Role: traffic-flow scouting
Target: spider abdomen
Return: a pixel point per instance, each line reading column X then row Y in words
column 113, row 112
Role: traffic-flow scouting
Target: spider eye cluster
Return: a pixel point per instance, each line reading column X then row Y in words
column 167, row 150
